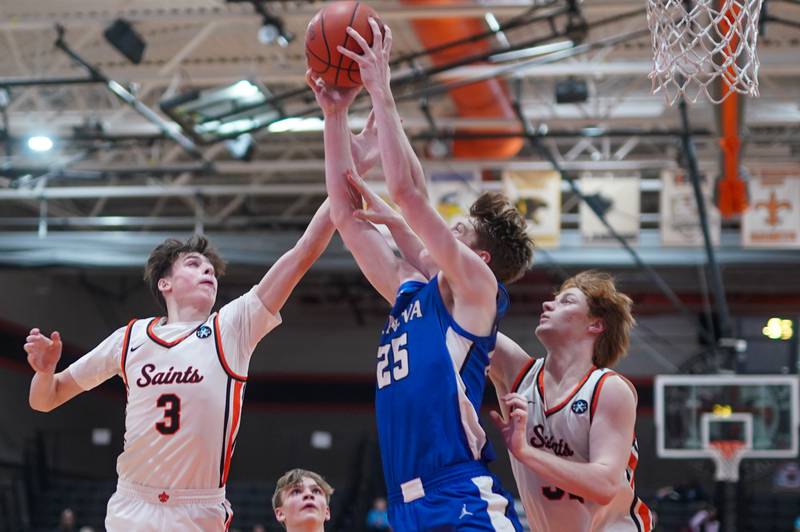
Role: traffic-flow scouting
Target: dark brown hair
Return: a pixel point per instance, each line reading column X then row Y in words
column 159, row 263
column 502, row 232
column 611, row 306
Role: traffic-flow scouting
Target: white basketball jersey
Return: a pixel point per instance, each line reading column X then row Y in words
column 182, row 399
column 185, row 390
column 563, row 430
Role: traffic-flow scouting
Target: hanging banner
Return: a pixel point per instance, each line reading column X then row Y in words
column 680, row 221
column 453, row 193
column 619, row 198
column 773, row 217
column 537, row 196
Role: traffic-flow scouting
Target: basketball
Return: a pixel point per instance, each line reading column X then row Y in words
column 327, row 30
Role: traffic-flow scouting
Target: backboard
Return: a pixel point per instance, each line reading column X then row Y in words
column 696, row 412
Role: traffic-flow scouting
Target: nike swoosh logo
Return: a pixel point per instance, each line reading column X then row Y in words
column 135, row 348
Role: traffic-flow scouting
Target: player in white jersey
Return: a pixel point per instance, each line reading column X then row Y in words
column 568, row 420
column 184, row 376
column 301, row 501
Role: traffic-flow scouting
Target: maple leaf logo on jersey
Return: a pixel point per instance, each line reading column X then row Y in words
column 580, row 406
column 204, row 331
column 163, row 497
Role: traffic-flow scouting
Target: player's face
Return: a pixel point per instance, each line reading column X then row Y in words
column 464, row 231
column 192, row 281
column 304, row 503
column 565, row 316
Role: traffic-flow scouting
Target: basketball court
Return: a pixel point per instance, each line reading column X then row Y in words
column 658, row 140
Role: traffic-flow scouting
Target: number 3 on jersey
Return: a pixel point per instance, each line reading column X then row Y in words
column 399, row 370
column 171, row 422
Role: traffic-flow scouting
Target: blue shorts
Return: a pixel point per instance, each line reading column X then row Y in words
column 462, row 497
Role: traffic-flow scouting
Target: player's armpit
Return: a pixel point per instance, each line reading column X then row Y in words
column 508, row 360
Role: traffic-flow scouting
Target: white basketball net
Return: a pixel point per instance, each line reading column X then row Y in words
column 727, row 455
column 693, row 49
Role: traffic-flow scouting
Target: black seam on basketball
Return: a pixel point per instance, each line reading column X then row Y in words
column 324, row 37
column 318, row 58
column 344, row 44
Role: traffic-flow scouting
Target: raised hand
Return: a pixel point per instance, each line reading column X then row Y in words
column 364, row 146
column 330, row 99
column 514, row 430
column 374, row 60
column 43, row 352
column 377, row 211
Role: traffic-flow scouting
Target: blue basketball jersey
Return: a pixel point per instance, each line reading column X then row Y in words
column 431, row 376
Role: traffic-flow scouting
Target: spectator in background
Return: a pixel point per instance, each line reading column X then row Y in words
column 301, row 501
column 705, row 520
column 258, row 527
column 378, row 517
column 66, row 522
column 797, row 524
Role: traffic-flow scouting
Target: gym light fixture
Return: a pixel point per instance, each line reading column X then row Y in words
column 220, row 113
column 272, row 31
column 40, row 143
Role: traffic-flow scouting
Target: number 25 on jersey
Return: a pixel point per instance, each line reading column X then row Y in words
column 396, row 352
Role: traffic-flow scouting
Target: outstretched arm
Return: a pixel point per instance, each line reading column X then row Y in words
column 610, row 438
column 507, row 361
column 473, row 283
column 379, row 212
column 279, row 282
column 48, row 389
column 377, row 261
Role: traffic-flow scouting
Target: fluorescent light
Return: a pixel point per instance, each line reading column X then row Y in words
column 40, row 143
column 296, row 124
column 244, row 89
column 533, row 51
column 491, row 21
column 593, row 131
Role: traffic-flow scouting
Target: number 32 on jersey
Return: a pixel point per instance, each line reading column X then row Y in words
column 392, row 352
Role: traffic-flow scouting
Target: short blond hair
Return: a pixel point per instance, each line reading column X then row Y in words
column 294, row 477
column 611, row 306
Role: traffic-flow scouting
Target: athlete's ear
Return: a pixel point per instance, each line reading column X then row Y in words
column 485, row 256
column 327, row 513
column 163, row 284
column 279, row 514
column 596, row 325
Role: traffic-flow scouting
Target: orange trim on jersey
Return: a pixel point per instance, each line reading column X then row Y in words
column 643, row 513
column 596, row 394
column 524, row 371
column 152, row 334
column 237, row 409
column 126, row 342
column 221, row 353
column 562, row 404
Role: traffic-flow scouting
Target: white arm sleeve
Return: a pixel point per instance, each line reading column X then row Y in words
column 243, row 323
column 99, row 364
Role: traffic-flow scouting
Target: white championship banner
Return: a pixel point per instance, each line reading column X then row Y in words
column 537, row 196
column 620, row 198
column 680, row 221
column 773, row 216
column 452, row 193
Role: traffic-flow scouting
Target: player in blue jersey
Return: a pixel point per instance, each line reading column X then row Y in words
column 446, row 304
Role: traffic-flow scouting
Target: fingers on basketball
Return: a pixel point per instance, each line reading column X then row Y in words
column 327, row 31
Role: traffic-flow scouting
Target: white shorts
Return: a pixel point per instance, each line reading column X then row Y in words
column 135, row 508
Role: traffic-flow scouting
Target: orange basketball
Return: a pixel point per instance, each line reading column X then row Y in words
column 326, row 31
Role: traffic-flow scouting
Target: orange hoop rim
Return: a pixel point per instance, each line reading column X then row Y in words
column 728, row 449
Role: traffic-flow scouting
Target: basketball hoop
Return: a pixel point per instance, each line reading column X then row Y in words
column 698, row 42
column 727, row 454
